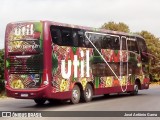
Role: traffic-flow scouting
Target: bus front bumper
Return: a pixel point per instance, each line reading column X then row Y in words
column 27, row 93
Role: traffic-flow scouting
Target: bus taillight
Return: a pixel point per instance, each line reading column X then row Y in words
column 45, row 78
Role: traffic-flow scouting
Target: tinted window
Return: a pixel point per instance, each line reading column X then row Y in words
column 75, row 38
column 143, row 49
column 56, row 36
column 123, row 43
column 67, row 37
column 132, row 46
column 96, row 40
column 81, row 38
column 141, row 45
column 103, row 41
column 106, row 42
column 115, row 43
column 110, row 42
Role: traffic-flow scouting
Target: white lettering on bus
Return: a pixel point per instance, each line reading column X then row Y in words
column 24, row 30
column 82, row 64
column 24, row 47
column 75, row 64
column 64, row 74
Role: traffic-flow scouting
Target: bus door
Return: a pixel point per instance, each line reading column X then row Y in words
column 133, row 58
column 123, row 60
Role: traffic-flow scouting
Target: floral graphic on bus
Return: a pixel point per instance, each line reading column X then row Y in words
column 21, row 81
column 109, row 81
column 63, row 85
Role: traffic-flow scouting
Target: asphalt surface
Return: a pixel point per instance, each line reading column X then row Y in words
column 146, row 100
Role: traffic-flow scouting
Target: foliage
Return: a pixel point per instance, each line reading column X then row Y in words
column 153, row 44
column 121, row 27
column 1, row 70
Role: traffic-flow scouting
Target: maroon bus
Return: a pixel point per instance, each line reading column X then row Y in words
column 47, row 60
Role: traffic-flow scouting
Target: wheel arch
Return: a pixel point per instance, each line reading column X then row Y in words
column 80, row 87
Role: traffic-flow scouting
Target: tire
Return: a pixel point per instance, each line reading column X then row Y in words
column 75, row 95
column 39, row 101
column 88, row 93
column 135, row 91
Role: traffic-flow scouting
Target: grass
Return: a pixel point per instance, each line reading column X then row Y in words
column 155, row 83
column 3, row 94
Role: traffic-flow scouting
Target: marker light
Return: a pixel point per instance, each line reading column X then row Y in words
column 45, row 82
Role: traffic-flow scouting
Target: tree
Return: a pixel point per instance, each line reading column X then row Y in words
column 121, row 27
column 153, row 44
column 1, row 70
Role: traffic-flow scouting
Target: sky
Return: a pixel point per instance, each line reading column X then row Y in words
column 137, row 14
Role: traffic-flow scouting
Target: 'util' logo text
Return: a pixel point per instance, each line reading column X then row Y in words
column 66, row 75
column 24, row 30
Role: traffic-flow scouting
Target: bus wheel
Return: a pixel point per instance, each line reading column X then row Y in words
column 39, row 101
column 135, row 91
column 88, row 93
column 75, row 95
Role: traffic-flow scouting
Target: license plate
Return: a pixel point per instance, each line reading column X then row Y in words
column 24, row 95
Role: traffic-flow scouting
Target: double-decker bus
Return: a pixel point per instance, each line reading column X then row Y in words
column 47, row 60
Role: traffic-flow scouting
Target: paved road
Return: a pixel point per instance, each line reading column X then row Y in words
column 146, row 100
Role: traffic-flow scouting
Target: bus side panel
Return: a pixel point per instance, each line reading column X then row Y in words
column 59, row 53
column 100, row 91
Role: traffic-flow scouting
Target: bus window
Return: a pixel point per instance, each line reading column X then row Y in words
column 75, row 39
column 87, row 42
column 56, row 36
column 67, row 37
column 115, row 43
column 103, row 41
column 110, row 42
column 81, row 40
column 132, row 46
column 123, row 43
column 141, row 45
column 96, row 40
column 106, row 42
column 143, row 49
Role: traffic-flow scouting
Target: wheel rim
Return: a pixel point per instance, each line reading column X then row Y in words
column 136, row 88
column 75, row 94
column 88, row 93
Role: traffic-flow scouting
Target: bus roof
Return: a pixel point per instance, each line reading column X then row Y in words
column 94, row 29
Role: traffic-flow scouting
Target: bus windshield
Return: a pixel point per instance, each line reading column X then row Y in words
column 24, row 37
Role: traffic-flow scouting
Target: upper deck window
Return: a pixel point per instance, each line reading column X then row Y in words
column 104, row 41
column 65, row 36
column 132, row 46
